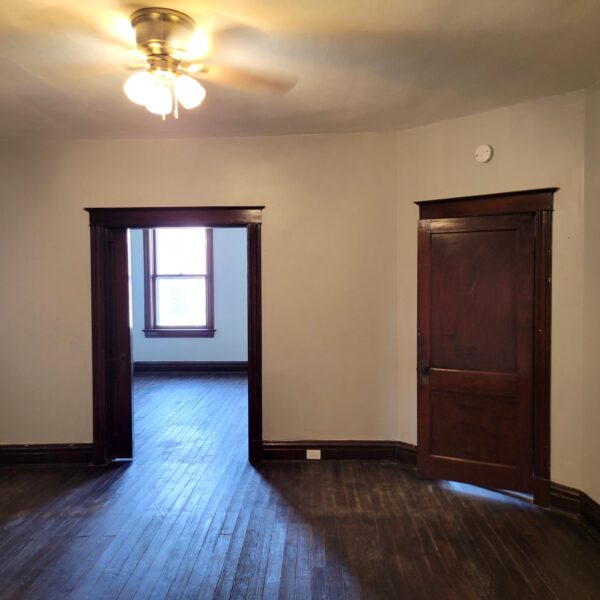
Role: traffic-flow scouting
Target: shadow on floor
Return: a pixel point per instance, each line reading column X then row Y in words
column 375, row 530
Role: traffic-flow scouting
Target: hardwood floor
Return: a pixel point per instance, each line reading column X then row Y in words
column 189, row 518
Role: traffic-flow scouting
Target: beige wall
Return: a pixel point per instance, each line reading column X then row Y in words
column 329, row 273
column 536, row 144
column 339, row 280
column 591, row 360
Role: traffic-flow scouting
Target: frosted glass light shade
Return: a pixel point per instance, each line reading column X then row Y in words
column 139, row 87
column 160, row 99
column 188, row 91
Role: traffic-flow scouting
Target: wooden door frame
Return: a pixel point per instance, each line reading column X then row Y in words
column 540, row 203
column 105, row 354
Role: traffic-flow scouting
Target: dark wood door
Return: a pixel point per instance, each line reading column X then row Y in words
column 476, row 349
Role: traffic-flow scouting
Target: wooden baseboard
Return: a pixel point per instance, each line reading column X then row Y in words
column 45, row 453
column 341, row 450
column 590, row 510
column 406, row 453
column 564, row 498
column 190, row 367
column 576, row 502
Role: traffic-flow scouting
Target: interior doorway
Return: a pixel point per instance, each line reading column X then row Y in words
column 111, row 334
column 189, row 342
column 484, row 340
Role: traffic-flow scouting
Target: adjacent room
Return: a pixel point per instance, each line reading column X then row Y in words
column 189, row 342
column 299, row 300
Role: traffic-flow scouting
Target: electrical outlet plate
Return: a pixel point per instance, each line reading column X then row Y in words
column 313, row 455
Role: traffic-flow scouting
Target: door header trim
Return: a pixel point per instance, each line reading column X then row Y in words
column 176, row 216
column 528, row 201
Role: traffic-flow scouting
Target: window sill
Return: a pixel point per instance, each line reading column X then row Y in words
column 179, row 333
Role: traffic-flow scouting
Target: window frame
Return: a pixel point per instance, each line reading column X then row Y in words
column 151, row 329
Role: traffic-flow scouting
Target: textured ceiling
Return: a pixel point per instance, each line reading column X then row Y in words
column 373, row 65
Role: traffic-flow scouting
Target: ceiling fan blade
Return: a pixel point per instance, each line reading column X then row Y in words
column 97, row 21
column 79, row 71
column 242, row 77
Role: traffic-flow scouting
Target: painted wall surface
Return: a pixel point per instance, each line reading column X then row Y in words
column 591, row 354
column 339, row 265
column 536, row 145
column 231, row 318
column 329, row 271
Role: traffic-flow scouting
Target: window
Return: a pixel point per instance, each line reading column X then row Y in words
column 178, row 273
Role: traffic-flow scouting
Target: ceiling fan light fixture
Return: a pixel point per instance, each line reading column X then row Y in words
column 188, row 92
column 165, row 37
column 160, row 99
column 139, row 87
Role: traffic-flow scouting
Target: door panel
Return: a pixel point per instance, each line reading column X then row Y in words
column 476, row 292
column 474, row 427
column 470, row 272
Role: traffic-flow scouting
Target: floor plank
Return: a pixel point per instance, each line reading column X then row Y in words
column 190, row 518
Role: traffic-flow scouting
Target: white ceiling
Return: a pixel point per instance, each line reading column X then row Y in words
column 370, row 65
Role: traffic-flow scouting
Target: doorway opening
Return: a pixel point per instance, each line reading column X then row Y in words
column 189, row 342
column 111, row 319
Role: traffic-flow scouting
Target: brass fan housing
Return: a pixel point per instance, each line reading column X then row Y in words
column 163, row 35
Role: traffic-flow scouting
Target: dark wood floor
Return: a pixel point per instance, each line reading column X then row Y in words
column 189, row 518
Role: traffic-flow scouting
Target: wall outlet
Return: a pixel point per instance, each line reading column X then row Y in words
column 313, row 454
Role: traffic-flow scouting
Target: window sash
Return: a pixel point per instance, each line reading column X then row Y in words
column 156, row 240
column 152, row 328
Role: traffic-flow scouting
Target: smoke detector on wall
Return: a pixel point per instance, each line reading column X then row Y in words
column 484, row 153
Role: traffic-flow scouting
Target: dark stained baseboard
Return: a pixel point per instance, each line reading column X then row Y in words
column 576, row 502
column 564, row 498
column 590, row 510
column 45, row 453
column 406, row 453
column 342, row 450
column 191, row 367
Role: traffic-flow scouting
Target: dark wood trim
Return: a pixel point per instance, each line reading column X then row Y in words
column 45, row 453
column 177, row 332
column 151, row 329
column 541, row 203
column 342, row 450
column 238, row 366
column 210, row 285
column 181, row 216
column 529, row 201
column 149, row 288
column 406, row 453
column 541, row 357
column 564, row 498
column 575, row 501
column 111, row 354
column 255, row 441
column 100, row 334
column 590, row 510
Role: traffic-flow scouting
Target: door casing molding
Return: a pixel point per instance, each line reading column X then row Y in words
column 540, row 203
column 107, row 345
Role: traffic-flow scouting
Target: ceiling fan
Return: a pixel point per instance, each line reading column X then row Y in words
column 167, row 78
column 176, row 54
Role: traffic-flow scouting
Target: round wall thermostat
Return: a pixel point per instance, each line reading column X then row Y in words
column 484, row 153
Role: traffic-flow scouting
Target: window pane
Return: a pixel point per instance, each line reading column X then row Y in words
column 181, row 302
column 181, row 251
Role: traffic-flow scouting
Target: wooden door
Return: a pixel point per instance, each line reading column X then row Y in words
column 476, row 349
